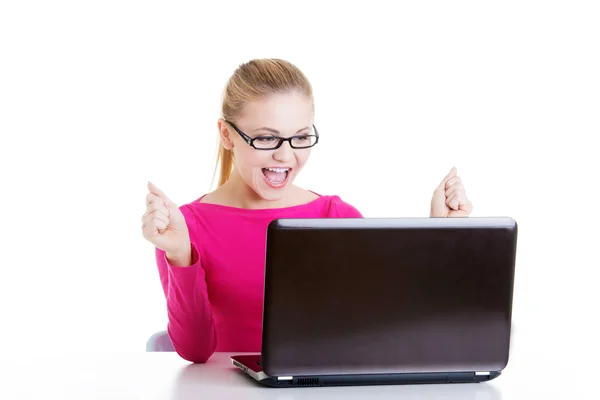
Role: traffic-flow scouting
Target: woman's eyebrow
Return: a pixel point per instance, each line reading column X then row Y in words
column 276, row 132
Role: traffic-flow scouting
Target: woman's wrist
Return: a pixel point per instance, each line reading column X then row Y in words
column 181, row 257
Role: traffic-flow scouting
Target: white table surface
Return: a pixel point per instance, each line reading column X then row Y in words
column 166, row 376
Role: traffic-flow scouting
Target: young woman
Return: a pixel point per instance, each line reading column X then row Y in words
column 210, row 252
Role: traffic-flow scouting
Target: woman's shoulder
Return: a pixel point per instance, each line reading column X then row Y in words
column 320, row 205
column 339, row 208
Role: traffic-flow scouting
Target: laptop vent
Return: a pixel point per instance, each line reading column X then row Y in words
column 307, row 382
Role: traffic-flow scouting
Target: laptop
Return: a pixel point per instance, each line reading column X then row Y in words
column 372, row 301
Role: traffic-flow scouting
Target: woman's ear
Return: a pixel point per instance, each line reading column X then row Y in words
column 226, row 139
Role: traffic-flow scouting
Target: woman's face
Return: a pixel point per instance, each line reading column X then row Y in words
column 270, row 173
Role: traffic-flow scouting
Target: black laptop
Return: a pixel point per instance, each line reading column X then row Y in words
column 371, row 301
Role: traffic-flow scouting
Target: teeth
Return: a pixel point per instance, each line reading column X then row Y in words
column 278, row 169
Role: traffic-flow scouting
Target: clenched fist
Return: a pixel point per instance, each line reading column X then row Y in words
column 450, row 198
column 163, row 224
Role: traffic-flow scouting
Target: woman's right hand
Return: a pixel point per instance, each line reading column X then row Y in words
column 163, row 225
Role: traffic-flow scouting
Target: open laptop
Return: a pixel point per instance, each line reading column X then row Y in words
column 385, row 301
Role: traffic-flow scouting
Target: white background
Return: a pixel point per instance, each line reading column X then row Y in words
column 97, row 98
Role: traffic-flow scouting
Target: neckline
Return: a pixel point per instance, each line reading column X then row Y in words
column 261, row 210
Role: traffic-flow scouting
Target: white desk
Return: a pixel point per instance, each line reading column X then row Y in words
column 150, row 376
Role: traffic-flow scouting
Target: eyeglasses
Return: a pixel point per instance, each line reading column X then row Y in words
column 271, row 142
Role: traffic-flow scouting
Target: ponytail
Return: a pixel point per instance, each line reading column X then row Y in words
column 225, row 164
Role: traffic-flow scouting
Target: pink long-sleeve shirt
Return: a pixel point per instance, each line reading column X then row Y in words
column 216, row 303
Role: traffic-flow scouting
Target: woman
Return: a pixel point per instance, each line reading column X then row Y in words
column 210, row 252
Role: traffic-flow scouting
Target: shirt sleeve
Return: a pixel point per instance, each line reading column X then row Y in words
column 191, row 325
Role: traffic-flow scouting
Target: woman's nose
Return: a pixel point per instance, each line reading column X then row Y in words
column 284, row 152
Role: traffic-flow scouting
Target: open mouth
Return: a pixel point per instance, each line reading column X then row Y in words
column 276, row 177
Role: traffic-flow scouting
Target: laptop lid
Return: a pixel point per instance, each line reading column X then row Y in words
column 388, row 295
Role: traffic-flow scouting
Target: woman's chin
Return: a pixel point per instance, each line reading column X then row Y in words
column 269, row 194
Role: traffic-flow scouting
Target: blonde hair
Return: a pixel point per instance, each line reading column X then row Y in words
column 252, row 81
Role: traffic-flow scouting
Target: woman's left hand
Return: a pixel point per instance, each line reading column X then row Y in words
column 450, row 198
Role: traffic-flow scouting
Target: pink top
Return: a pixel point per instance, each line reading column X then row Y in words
column 216, row 303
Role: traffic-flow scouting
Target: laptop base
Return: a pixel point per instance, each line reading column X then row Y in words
column 250, row 365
